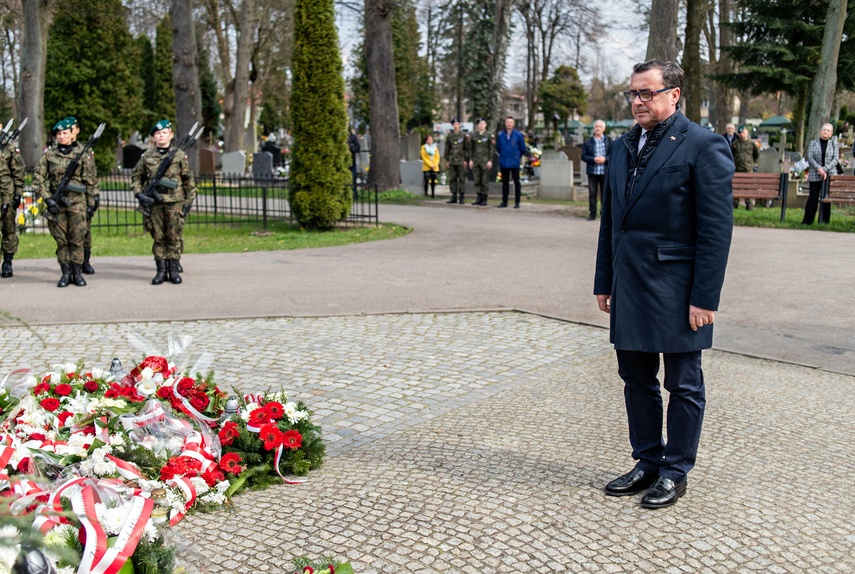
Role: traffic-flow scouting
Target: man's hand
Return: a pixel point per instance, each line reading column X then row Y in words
column 699, row 317
column 604, row 302
column 144, row 200
column 471, row 164
column 52, row 207
column 599, row 159
column 490, row 165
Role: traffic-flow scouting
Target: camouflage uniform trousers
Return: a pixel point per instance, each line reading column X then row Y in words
column 9, row 229
column 166, row 226
column 482, row 178
column 457, row 179
column 68, row 230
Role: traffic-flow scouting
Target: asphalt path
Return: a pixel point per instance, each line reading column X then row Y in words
column 789, row 295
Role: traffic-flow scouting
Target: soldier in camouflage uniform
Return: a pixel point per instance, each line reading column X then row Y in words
column 745, row 154
column 178, row 189
column 87, row 241
column 481, row 145
column 11, row 188
column 67, row 224
column 456, row 156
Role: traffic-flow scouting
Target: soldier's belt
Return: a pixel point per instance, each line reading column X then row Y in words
column 76, row 188
column 168, row 183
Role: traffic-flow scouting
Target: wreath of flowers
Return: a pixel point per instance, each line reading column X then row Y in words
column 101, row 463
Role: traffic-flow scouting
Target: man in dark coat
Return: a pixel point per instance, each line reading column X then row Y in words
column 595, row 154
column 663, row 246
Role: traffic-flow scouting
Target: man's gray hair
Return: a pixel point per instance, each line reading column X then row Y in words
column 672, row 73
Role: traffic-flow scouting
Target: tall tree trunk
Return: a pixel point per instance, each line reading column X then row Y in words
column 692, row 60
column 33, row 60
column 458, row 92
column 385, row 170
column 499, row 51
column 235, row 125
column 662, row 43
column 799, row 116
column 185, row 75
column 825, row 80
column 723, row 93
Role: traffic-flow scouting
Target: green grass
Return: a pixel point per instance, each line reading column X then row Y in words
column 280, row 236
column 842, row 220
column 391, row 196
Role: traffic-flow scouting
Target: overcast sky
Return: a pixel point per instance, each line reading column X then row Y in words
column 623, row 45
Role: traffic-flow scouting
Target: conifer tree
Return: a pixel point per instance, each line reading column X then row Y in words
column 146, row 73
column 164, row 87
column 92, row 73
column 320, row 195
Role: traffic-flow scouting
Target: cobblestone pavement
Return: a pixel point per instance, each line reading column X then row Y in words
column 480, row 442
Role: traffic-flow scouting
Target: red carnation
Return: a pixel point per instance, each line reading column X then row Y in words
column 231, row 463
column 63, row 416
column 184, row 385
column 156, row 364
column 37, row 436
column 271, row 435
column 90, row 386
column 111, row 394
column 229, row 433
column 63, row 389
column 199, row 401
column 276, row 410
column 50, row 404
column 213, row 476
column 42, row 387
column 292, row 439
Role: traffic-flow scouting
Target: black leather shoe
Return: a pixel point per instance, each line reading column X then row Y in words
column 630, row 483
column 503, row 204
column 591, row 218
column 664, row 492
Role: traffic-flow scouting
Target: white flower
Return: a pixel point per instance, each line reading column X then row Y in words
column 56, row 536
column 151, row 532
column 146, row 373
column 31, row 381
column 147, row 386
column 78, row 405
column 200, row 485
column 69, row 368
column 214, row 497
column 293, row 413
column 111, row 518
column 117, row 439
column 223, row 486
column 150, row 442
column 97, row 373
column 245, row 411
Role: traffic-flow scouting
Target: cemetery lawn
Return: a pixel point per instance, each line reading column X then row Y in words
column 842, row 220
column 280, row 236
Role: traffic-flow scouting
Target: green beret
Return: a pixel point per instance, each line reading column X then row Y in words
column 71, row 121
column 161, row 125
column 740, row 128
column 62, row 124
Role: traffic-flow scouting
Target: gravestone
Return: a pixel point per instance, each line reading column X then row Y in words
column 410, row 146
column 782, row 146
column 262, row 165
column 411, row 176
column 234, row 163
column 273, row 149
column 556, row 176
column 131, row 154
column 768, row 161
column 207, row 161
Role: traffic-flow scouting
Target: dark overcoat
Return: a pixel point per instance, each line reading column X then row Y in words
column 666, row 247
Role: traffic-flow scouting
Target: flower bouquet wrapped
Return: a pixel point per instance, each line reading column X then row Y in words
column 103, row 462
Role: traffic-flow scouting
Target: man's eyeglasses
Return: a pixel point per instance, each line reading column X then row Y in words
column 644, row 95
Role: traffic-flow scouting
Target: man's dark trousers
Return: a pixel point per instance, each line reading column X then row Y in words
column 596, row 184
column 507, row 174
column 684, row 379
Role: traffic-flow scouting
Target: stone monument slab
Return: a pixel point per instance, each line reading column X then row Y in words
column 411, row 176
column 207, row 161
column 768, row 161
column 234, row 163
column 262, row 165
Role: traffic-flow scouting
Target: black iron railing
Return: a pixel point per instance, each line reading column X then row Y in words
column 220, row 201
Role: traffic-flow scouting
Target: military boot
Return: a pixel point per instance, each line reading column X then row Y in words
column 7, row 264
column 172, row 271
column 77, row 275
column 66, row 275
column 160, row 276
column 477, row 200
column 178, row 266
column 461, row 199
column 87, row 268
column 453, row 198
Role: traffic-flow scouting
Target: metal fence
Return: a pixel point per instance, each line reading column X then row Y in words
column 220, row 201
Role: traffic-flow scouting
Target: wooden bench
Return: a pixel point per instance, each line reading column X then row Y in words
column 837, row 189
column 762, row 186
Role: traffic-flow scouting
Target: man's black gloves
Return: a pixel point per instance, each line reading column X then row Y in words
column 52, row 207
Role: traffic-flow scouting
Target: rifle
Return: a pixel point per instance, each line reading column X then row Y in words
column 6, row 137
column 61, row 193
column 150, row 195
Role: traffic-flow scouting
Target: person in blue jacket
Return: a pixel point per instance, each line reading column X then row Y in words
column 510, row 145
column 663, row 247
